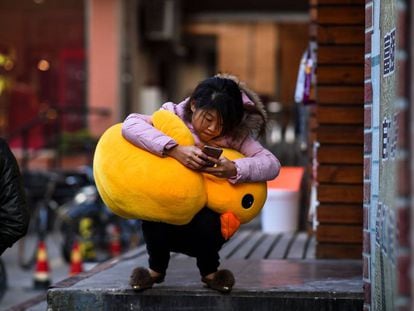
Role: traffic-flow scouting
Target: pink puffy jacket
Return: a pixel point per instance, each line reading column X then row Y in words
column 259, row 163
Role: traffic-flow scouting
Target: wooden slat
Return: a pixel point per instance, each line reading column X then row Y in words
column 343, row 134
column 236, row 241
column 340, row 114
column 266, row 244
column 330, row 193
column 341, row 15
column 349, row 174
column 351, row 95
column 340, row 75
column 339, row 233
column 311, row 248
column 245, row 249
column 297, row 249
column 340, row 35
column 340, row 214
column 336, row 55
column 255, row 244
column 338, row 154
column 279, row 251
column 338, row 251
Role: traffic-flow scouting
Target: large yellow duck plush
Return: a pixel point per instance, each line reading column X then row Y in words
column 135, row 183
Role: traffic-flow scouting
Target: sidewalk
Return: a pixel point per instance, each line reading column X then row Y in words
column 261, row 284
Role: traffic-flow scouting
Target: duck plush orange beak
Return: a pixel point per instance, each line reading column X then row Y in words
column 235, row 203
column 229, row 224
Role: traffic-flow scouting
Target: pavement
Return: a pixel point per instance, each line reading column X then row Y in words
column 20, row 282
column 313, row 285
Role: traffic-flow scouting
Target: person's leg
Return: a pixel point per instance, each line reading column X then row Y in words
column 157, row 243
column 207, row 226
column 156, row 239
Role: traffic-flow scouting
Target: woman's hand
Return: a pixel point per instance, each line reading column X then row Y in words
column 194, row 158
column 223, row 168
column 189, row 156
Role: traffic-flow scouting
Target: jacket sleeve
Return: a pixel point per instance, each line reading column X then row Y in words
column 139, row 131
column 14, row 214
column 258, row 165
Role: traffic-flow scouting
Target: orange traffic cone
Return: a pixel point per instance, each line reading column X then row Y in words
column 75, row 259
column 115, row 241
column 41, row 278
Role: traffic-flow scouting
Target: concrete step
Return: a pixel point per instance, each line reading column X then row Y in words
column 312, row 285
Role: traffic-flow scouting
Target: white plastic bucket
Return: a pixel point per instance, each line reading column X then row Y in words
column 280, row 212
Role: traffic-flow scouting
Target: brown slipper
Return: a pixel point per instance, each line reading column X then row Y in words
column 141, row 279
column 223, row 281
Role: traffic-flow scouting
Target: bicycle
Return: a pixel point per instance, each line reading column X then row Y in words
column 47, row 191
column 68, row 204
column 41, row 221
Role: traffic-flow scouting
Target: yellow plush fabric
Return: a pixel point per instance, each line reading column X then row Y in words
column 244, row 200
column 134, row 183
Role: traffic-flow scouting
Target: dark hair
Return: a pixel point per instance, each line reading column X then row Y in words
column 222, row 95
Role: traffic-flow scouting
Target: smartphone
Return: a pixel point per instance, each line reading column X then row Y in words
column 213, row 152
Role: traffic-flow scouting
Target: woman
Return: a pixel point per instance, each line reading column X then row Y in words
column 221, row 112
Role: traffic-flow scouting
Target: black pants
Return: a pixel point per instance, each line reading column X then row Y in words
column 201, row 238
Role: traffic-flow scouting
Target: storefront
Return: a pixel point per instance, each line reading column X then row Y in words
column 44, row 72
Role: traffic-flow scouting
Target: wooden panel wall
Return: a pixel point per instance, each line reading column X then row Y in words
column 338, row 28
column 293, row 42
column 247, row 50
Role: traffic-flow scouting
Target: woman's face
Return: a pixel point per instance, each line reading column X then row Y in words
column 207, row 124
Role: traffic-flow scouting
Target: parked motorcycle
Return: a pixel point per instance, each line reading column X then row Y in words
column 46, row 191
column 100, row 233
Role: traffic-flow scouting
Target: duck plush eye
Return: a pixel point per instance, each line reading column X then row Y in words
column 247, row 201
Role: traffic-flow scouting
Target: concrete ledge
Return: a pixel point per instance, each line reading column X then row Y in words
column 159, row 300
column 313, row 285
